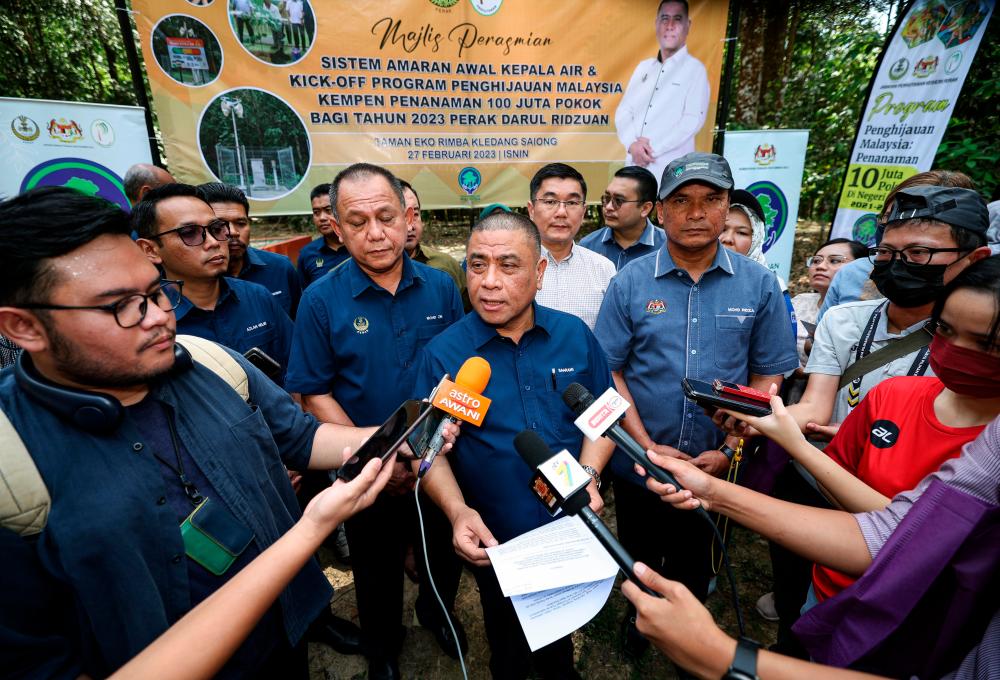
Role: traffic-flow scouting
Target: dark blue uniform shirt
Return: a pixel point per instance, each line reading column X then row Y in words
column 316, row 259
column 246, row 315
column 355, row 340
column 112, row 536
column 603, row 241
column 658, row 326
column 276, row 273
column 526, row 386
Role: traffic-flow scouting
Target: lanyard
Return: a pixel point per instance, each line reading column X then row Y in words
column 918, row 367
column 190, row 490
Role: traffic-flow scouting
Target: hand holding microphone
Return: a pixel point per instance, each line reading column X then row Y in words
column 603, row 418
column 459, row 400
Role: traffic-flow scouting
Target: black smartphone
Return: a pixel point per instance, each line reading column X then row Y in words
column 704, row 394
column 387, row 438
column 260, row 359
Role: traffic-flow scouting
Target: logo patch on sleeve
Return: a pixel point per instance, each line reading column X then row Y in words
column 884, row 434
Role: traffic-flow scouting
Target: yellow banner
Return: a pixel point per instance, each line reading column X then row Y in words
column 465, row 99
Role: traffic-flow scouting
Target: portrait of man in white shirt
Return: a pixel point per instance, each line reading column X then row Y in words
column 665, row 103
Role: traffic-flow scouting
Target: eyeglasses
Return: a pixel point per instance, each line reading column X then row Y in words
column 553, row 204
column 616, row 201
column 194, row 234
column 130, row 310
column 832, row 260
column 918, row 255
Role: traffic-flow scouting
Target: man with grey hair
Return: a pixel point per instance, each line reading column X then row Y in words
column 535, row 353
column 142, row 177
column 354, row 355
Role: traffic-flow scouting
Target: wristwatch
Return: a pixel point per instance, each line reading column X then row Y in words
column 593, row 473
column 727, row 451
column 744, row 666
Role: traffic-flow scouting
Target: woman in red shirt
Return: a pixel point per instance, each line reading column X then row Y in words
column 906, row 427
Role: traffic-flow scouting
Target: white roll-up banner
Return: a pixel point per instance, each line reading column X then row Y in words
column 769, row 164
column 85, row 146
column 917, row 82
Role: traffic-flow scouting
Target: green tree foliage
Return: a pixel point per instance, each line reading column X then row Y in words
column 63, row 49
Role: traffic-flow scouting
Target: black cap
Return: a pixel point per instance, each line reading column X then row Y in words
column 744, row 197
column 963, row 208
column 696, row 167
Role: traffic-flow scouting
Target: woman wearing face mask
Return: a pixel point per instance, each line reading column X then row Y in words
column 908, row 426
column 744, row 233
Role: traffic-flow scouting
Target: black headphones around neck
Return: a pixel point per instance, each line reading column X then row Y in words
column 94, row 412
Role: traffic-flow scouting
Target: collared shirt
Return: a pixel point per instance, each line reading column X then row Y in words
column 276, row 273
column 446, row 263
column 658, row 326
column 317, row 258
column 666, row 102
column 847, row 285
column 603, row 242
column 246, row 315
column 576, row 285
column 836, row 342
column 112, row 540
column 526, row 386
column 359, row 342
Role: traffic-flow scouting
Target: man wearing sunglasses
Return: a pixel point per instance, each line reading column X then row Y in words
column 627, row 204
column 178, row 231
column 575, row 278
column 129, row 436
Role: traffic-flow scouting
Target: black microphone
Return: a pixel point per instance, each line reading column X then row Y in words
column 568, row 492
column 579, row 399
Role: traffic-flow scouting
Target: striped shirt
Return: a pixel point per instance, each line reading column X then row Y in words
column 576, row 285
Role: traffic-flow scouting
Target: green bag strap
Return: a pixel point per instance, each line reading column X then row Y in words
column 24, row 500
column 897, row 348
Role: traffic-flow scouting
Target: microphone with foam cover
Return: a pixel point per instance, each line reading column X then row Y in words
column 462, row 400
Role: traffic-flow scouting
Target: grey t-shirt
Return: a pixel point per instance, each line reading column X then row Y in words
column 835, row 347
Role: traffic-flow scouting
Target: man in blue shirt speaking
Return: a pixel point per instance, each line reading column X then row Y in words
column 178, row 231
column 691, row 309
column 354, row 356
column 130, row 436
column 535, row 353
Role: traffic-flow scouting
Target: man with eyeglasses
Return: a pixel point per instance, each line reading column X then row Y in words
column 931, row 234
column 666, row 101
column 627, row 204
column 691, row 310
column 575, row 278
column 179, row 231
column 129, row 436
column 271, row 270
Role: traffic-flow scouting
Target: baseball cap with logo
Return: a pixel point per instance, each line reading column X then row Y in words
column 963, row 208
column 696, row 167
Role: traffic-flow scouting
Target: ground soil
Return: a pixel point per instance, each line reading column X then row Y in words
column 598, row 644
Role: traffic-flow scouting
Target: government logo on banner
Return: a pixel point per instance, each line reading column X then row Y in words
column 772, row 200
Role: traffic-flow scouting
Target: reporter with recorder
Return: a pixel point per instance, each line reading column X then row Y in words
column 693, row 309
column 534, row 353
column 908, row 426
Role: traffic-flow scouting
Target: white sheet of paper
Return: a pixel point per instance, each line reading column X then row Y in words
column 549, row 615
column 561, row 553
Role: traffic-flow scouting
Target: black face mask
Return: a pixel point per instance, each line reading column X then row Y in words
column 908, row 285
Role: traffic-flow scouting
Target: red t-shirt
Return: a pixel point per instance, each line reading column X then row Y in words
column 891, row 441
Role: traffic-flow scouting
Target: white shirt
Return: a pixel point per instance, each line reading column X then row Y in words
column 577, row 284
column 836, row 341
column 295, row 11
column 666, row 103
